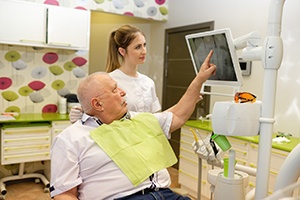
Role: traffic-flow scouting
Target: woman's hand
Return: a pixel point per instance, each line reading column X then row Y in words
column 75, row 114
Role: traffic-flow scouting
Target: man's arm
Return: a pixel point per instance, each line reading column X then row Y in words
column 186, row 105
column 68, row 195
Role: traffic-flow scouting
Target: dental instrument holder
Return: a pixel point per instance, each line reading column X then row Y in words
column 227, row 182
column 207, row 150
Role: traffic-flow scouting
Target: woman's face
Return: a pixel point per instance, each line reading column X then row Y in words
column 136, row 51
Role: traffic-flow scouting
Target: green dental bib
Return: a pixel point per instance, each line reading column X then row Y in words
column 138, row 146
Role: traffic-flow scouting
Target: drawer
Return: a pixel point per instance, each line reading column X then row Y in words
column 57, row 127
column 21, row 141
column 186, row 145
column 277, row 158
column 26, row 157
column 61, row 124
column 25, row 132
column 25, row 149
column 187, row 179
column 188, row 165
column 238, row 144
column 272, row 177
column 25, row 144
column 188, row 154
column 240, row 154
column 190, row 183
column 187, row 138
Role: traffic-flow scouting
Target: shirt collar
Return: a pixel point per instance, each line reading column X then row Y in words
column 87, row 119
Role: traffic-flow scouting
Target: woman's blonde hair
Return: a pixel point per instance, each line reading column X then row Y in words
column 122, row 37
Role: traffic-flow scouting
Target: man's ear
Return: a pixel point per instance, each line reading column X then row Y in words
column 122, row 51
column 96, row 104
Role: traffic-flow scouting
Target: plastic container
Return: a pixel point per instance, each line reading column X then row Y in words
column 222, row 141
column 71, row 101
column 62, row 106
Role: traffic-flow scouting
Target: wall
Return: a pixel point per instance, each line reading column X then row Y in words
column 243, row 17
column 33, row 79
column 102, row 24
column 148, row 9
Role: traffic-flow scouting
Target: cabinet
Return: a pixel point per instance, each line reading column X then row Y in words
column 25, row 144
column 39, row 25
column 57, row 127
column 246, row 154
column 277, row 159
column 22, row 143
column 188, row 165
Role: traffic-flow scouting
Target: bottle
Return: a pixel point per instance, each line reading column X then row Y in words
column 62, row 106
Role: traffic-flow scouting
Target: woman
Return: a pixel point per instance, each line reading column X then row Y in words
column 126, row 51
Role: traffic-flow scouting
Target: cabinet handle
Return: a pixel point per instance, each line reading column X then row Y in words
column 22, row 139
column 26, row 131
column 254, row 146
column 187, row 159
column 186, row 150
column 32, row 41
column 187, row 135
column 60, row 44
column 279, row 153
column 251, row 184
column 26, row 147
column 240, row 151
column 252, row 165
column 238, row 142
column 273, row 172
column 241, row 161
column 187, row 174
column 26, row 155
column 182, row 141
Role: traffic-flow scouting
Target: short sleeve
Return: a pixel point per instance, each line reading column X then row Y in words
column 165, row 121
column 64, row 167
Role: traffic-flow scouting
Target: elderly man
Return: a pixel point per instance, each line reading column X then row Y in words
column 115, row 154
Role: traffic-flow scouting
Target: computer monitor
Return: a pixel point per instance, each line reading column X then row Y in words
column 228, row 71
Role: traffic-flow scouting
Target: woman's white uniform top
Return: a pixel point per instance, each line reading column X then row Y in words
column 140, row 91
column 76, row 160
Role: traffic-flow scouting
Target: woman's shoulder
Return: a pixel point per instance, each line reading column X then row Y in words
column 144, row 77
column 116, row 72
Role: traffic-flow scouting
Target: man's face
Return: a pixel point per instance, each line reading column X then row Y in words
column 112, row 100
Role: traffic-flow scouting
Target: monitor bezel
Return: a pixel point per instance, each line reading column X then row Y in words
column 226, row 83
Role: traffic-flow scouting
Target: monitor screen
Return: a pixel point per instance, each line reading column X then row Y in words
column 228, row 71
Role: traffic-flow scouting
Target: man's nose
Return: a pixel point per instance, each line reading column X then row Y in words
column 122, row 92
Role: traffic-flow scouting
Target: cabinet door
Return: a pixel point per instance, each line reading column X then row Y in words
column 22, row 23
column 57, row 127
column 68, row 27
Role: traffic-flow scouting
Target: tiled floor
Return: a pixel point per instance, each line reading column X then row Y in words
column 28, row 190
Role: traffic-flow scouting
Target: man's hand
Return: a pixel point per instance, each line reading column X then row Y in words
column 207, row 69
